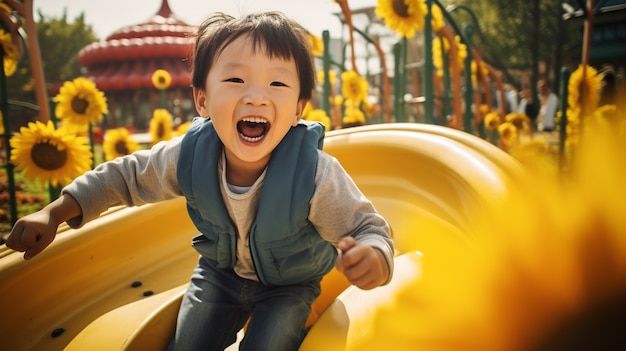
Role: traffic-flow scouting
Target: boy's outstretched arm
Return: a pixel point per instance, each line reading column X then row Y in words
column 33, row 233
column 363, row 265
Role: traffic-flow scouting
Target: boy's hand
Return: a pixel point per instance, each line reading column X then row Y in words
column 33, row 233
column 363, row 265
column 36, row 231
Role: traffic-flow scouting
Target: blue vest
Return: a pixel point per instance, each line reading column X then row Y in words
column 285, row 247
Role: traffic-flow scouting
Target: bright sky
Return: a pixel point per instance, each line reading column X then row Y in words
column 106, row 17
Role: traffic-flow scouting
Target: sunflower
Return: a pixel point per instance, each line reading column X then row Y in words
column 368, row 108
column 353, row 117
column 161, row 79
column 519, row 120
column 492, row 120
column 317, row 45
column 354, row 87
column 537, row 155
column 476, row 72
column 117, row 143
column 556, row 279
column 508, row 133
column 332, row 76
column 438, row 52
column 461, row 51
column 405, row 17
column 79, row 102
column 318, row 115
column 161, row 125
column 337, row 100
column 606, row 114
column 50, row 155
column 437, row 21
column 11, row 53
column 584, row 95
column 483, row 109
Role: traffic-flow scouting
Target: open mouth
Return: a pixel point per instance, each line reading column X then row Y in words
column 252, row 129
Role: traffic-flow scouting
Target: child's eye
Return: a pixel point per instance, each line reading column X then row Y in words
column 278, row 84
column 234, row 80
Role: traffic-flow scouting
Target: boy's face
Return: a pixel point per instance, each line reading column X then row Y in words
column 252, row 100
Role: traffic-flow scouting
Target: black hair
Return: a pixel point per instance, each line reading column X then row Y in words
column 278, row 35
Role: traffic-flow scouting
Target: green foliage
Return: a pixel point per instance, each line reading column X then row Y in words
column 510, row 29
column 59, row 43
column 31, row 196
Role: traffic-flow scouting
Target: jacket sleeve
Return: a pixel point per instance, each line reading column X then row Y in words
column 339, row 209
column 145, row 176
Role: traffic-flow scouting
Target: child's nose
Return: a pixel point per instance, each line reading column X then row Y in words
column 255, row 95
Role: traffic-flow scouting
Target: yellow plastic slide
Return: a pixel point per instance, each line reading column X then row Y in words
column 116, row 283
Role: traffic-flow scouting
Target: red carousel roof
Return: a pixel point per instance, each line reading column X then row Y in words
column 127, row 59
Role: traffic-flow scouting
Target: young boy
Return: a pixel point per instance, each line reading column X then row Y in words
column 275, row 213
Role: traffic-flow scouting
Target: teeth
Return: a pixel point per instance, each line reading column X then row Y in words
column 249, row 139
column 254, row 119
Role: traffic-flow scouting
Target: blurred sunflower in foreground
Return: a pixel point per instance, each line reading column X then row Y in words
column 547, row 270
column 117, row 143
column 48, row 154
column 80, row 103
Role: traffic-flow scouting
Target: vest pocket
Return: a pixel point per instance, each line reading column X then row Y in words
column 215, row 247
column 298, row 258
column 292, row 258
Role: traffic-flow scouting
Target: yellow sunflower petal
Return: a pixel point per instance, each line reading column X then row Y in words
column 354, row 87
column 548, row 265
column 11, row 53
column 118, row 143
column 508, row 133
column 584, row 92
column 319, row 115
column 161, row 125
column 492, row 120
column 80, row 102
column 50, row 155
column 161, row 79
column 405, row 17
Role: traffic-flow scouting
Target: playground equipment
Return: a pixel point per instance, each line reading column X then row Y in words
column 116, row 283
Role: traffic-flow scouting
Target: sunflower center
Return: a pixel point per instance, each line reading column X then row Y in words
column 121, row 148
column 162, row 80
column 400, row 8
column 47, row 156
column 79, row 105
column 160, row 130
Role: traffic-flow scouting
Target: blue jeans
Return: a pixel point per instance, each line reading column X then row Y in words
column 218, row 303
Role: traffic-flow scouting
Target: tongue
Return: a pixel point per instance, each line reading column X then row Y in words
column 251, row 129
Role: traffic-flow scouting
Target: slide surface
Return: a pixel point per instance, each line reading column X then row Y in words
column 116, row 283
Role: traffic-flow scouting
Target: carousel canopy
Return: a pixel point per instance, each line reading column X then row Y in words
column 127, row 59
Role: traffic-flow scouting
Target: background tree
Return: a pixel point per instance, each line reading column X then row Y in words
column 59, row 41
column 522, row 36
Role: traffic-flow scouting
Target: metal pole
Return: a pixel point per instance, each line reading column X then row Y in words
column 429, row 102
column 326, row 68
column 4, row 107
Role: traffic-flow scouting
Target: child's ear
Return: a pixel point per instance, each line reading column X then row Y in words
column 299, row 109
column 200, row 99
